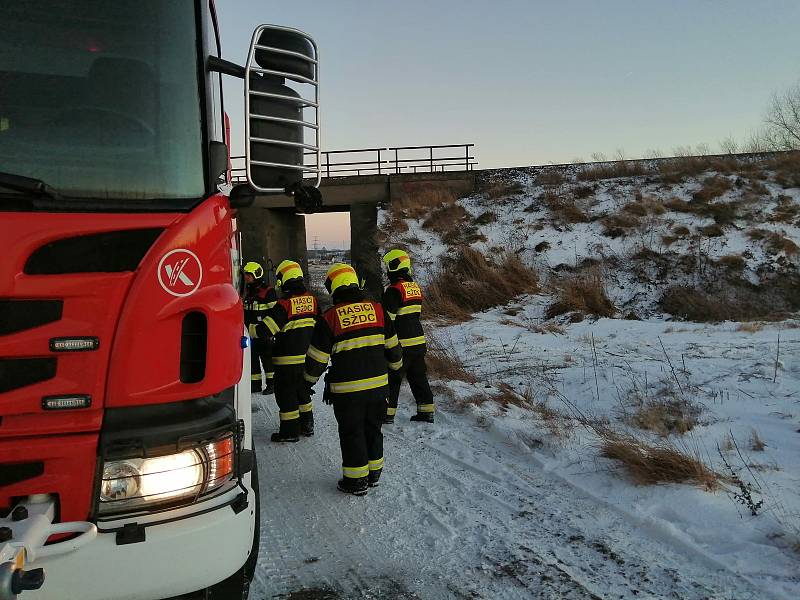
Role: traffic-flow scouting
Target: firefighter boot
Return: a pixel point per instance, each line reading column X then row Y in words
column 425, row 417
column 307, row 423
column 374, row 476
column 388, row 419
column 269, row 388
column 289, row 432
column 355, row 486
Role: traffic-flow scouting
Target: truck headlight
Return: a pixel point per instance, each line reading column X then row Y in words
column 140, row 483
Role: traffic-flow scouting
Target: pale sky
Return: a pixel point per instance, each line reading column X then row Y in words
column 532, row 82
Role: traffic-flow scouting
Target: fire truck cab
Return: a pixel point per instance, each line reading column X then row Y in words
column 127, row 466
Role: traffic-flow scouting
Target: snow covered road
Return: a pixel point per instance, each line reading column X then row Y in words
column 460, row 513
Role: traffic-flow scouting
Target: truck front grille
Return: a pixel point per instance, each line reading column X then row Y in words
column 19, row 315
column 20, row 372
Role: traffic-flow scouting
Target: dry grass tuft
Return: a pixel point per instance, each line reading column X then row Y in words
column 664, row 416
column 563, row 209
column 712, row 230
column 444, row 362
column 469, row 282
column 713, row 187
column 657, row 463
column 695, row 305
column 550, row 327
column 787, row 210
column 756, row 443
column 619, row 224
column 774, row 242
column 584, row 293
column 733, row 262
column 550, row 177
column 612, row 170
column 751, row 327
column 502, row 189
column 418, row 204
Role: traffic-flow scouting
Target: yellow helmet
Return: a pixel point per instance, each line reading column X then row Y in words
column 288, row 269
column 255, row 269
column 340, row 275
column 396, row 260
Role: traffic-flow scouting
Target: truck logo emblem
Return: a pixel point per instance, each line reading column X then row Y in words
column 180, row 272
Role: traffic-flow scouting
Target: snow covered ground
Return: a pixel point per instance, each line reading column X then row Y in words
column 464, row 510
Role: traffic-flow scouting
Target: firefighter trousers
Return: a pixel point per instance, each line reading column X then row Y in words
column 360, row 416
column 293, row 395
column 415, row 370
column 259, row 356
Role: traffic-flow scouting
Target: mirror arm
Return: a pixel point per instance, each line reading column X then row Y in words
column 226, row 67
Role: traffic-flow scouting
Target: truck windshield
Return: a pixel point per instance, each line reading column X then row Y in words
column 100, row 99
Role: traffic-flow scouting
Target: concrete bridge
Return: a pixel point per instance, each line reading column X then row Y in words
column 273, row 229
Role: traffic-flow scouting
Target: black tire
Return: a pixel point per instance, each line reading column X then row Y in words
column 237, row 586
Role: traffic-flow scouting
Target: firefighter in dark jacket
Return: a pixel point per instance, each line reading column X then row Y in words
column 259, row 298
column 360, row 342
column 291, row 321
column 402, row 300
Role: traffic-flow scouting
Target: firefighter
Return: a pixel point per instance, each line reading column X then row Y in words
column 259, row 297
column 359, row 339
column 402, row 300
column 291, row 321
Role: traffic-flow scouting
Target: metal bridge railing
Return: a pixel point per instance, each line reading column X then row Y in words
column 384, row 161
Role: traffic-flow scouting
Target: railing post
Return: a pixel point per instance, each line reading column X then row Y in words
column 431, row 150
column 396, row 162
column 328, row 163
column 466, row 157
column 379, row 161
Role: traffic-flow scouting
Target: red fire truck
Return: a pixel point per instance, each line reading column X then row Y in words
column 127, row 467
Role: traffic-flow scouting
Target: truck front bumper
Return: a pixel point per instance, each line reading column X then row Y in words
column 175, row 558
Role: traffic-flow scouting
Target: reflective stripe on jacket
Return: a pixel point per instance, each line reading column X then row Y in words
column 359, row 340
column 292, row 321
column 403, row 303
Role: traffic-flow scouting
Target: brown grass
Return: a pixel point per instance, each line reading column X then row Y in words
column 713, row 187
column 681, row 230
column 563, row 209
column 695, row 305
column 550, row 177
column 712, row 230
column 756, row 443
column 664, row 416
column 723, row 213
column 584, row 293
column 501, row 189
column 786, row 211
column 786, row 167
column 774, row 242
column 445, row 218
column 612, row 170
column 733, row 262
column 444, row 362
column 619, row 224
column 469, row 282
column 751, row 327
column 657, row 463
column 418, row 204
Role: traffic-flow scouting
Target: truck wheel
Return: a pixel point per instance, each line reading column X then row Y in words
column 237, row 586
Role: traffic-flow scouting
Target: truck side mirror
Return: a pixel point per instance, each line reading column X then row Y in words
column 282, row 107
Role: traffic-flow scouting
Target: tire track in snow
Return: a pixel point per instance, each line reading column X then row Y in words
column 457, row 515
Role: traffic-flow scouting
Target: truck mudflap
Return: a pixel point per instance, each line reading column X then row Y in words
column 173, row 557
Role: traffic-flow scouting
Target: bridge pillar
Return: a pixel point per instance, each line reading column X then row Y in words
column 273, row 234
column 364, row 250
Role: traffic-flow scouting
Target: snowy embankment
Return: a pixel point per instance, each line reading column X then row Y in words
column 710, row 242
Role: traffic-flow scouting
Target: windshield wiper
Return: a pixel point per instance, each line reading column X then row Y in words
column 28, row 185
